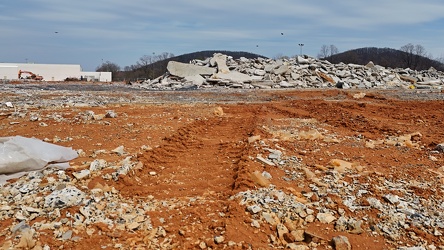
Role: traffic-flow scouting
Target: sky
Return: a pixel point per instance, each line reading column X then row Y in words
column 122, row 31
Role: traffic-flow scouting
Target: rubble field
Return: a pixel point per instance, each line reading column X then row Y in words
column 227, row 168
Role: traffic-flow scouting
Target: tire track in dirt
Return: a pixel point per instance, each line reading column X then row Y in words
column 207, row 156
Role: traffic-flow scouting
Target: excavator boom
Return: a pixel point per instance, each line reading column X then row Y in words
column 32, row 75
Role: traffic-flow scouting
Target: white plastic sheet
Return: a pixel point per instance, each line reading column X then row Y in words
column 19, row 155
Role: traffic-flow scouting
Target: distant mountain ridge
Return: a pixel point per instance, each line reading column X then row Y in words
column 385, row 57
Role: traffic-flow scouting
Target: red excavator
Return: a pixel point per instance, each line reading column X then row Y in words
column 31, row 75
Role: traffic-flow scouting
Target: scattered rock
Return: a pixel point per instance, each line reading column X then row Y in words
column 66, row 197
column 440, row 148
column 219, row 239
column 82, row 174
column 325, row 218
column 341, row 243
column 120, row 150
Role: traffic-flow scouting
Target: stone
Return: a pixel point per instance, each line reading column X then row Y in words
column 66, row 197
column 370, row 65
column 82, row 174
column 267, row 175
column 283, row 69
column 325, row 218
column 290, row 224
column 269, row 218
column 255, row 223
column 326, row 77
column 110, row 114
column 281, row 230
column 67, row 235
column 218, row 111
column 440, row 148
column 289, row 238
column 263, row 160
column 120, row 150
column 233, row 76
column 97, row 165
column 26, row 241
column 285, row 84
column 298, row 235
column 20, row 227
column 259, row 72
column 254, row 209
column 295, row 246
column 196, row 79
column 98, row 117
column 184, row 69
column 219, row 239
column 133, row 225
column 409, row 79
column 393, row 199
column 341, row 243
column 355, row 227
column 202, row 245
column 302, row 60
column 375, row 203
column 341, row 224
column 220, row 61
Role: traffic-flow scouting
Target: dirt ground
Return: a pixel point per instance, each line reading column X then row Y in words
column 195, row 150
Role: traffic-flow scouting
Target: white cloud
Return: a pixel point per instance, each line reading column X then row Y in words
column 120, row 28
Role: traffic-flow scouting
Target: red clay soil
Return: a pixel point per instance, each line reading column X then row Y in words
column 194, row 156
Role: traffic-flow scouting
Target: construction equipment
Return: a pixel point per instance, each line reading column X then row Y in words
column 31, row 75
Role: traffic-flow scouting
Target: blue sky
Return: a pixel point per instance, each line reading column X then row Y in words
column 121, row 31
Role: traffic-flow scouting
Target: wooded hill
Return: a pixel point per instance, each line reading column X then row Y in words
column 386, row 57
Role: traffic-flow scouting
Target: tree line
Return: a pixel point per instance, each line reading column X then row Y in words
column 408, row 56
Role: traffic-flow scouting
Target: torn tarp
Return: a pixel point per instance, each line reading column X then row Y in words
column 19, row 155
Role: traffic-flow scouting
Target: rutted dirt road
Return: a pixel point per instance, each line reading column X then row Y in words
column 235, row 170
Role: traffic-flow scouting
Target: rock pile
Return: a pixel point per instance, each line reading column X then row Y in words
column 299, row 72
column 400, row 210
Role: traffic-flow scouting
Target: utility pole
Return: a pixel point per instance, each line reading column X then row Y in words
column 301, row 45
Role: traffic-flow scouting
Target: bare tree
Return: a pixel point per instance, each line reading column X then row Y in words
column 333, row 50
column 146, row 63
column 108, row 67
column 414, row 55
column 164, row 55
column 327, row 51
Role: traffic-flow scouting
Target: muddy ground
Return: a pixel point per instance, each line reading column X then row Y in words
column 194, row 152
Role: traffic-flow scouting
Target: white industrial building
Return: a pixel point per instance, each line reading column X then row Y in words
column 50, row 72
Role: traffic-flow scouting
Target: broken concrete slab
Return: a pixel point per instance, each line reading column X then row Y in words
column 183, row 69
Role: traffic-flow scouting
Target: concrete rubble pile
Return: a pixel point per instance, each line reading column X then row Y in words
column 299, row 72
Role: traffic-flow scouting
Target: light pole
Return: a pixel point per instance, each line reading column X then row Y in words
column 301, row 45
